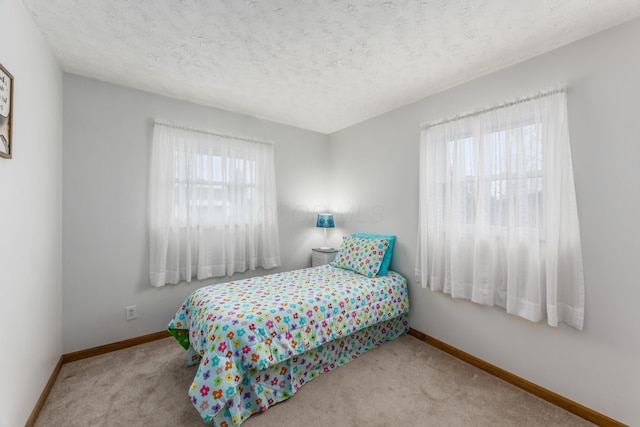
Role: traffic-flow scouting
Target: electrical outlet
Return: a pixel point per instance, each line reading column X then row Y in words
column 131, row 312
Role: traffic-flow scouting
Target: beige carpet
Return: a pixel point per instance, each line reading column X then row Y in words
column 402, row 383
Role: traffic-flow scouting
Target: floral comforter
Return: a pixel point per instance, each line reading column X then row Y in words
column 241, row 328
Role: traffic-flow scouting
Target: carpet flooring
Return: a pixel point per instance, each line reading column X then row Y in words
column 404, row 382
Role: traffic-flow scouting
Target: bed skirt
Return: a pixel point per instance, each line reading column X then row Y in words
column 263, row 388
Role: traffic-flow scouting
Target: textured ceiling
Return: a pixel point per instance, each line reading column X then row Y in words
column 317, row 64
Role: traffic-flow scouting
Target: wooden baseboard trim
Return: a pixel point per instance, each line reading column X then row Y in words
column 108, row 348
column 31, row 421
column 548, row 395
column 84, row 354
column 543, row 393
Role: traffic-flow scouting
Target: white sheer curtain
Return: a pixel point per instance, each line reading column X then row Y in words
column 212, row 205
column 498, row 220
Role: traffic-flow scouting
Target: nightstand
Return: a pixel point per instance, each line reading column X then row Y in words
column 320, row 256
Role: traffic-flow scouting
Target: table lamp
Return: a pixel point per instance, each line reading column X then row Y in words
column 325, row 220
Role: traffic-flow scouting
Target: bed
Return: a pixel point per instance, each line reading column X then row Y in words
column 258, row 340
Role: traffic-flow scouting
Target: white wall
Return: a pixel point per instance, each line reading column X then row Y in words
column 30, row 218
column 107, row 139
column 599, row 366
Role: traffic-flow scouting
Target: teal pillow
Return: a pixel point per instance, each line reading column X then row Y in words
column 386, row 261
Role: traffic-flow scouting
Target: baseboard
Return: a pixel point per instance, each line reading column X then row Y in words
column 84, row 354
column 543, row 393
column 31, row 421
column 549, row 396
column 107, row 348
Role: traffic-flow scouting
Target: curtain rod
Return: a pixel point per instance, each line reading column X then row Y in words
column 207, row 132
column 538, row 95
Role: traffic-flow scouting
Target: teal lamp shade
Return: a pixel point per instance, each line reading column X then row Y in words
column 325, row 220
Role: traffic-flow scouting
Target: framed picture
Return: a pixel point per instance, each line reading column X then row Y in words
column 6, row 112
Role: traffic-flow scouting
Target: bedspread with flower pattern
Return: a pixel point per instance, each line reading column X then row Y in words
column 242, row 330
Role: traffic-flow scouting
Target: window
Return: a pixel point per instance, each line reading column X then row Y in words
column 496, row 170
column 212, row 205
column 498, row 221
column 222, row 192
